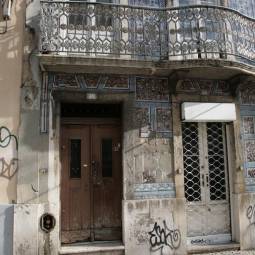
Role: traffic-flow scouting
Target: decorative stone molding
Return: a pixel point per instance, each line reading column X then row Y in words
column 163, row 119
column 153, row 114
column 204, row 87
column 153, row 94
column 152, row 190
column 89, row 81
column 249, row 147
column 143, row 120
column 78, row 82
column 248, row 125
column 247, row 95
column 117, row 82
column 152, row 89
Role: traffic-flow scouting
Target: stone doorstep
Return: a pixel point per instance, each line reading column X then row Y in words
column 95, row 247
column 197, row 249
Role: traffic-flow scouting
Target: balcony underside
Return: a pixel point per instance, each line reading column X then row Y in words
column 213, row 69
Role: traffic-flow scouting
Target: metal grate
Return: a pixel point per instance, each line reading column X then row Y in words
column 216, row 161
column 205, row 181
column 191, row 161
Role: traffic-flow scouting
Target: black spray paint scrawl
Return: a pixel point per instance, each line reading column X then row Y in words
column 6, row 137
column 163, row 237
column 250, row 213
column 8, row 167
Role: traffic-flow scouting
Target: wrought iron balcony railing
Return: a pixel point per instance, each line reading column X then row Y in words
column 110, row 30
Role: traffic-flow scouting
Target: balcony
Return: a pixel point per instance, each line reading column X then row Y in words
column 107, row 33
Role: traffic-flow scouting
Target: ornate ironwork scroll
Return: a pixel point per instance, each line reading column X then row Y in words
column 189, row 32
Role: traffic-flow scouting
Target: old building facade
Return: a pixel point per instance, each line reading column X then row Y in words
column 11, row 54
column 132, row 130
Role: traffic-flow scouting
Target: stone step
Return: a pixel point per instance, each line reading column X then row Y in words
column 102, row 248
column 205, row 249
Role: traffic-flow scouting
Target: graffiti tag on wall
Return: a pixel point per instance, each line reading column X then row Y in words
column 250, row 213
column 163, row 237
column 8, row 166
column 8, row 169
column 6, row 137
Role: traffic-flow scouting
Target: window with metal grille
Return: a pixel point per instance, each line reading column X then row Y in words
column 204, row 161
column 191, row 161
column 216, row 161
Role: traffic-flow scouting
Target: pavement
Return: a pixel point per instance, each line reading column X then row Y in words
column 230, row 253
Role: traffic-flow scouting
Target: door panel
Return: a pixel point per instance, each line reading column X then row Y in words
column 75, row 184
column 206, row 181
column 196, row 220
column 90, row 183
column 218, row 219
column 107, row 188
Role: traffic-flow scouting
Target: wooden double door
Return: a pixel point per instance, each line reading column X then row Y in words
column 91, row 182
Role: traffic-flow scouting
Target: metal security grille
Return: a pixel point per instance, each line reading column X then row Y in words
column 216, row 161
column 191, row 161
column 206, row 182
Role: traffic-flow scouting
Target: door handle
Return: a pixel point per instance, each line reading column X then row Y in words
column 203, row 180
column 207, row 180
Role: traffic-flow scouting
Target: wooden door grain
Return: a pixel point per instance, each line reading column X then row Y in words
column 107, row 183
column 91, row 182
column 75, row 184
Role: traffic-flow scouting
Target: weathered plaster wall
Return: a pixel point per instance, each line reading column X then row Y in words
column 147, row 161
column 148, row 149
column 247, row 221
column 156, row 226
column 33, row 154
column 11, row 51
column 29, row 239
column 33, row 150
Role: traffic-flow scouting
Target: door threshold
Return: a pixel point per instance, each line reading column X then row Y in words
column 195, row 249
column 91, row 247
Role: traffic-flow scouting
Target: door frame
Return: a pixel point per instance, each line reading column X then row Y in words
column 50, row 175
column 233, row 152
column 203, row 237
column 89, row 121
